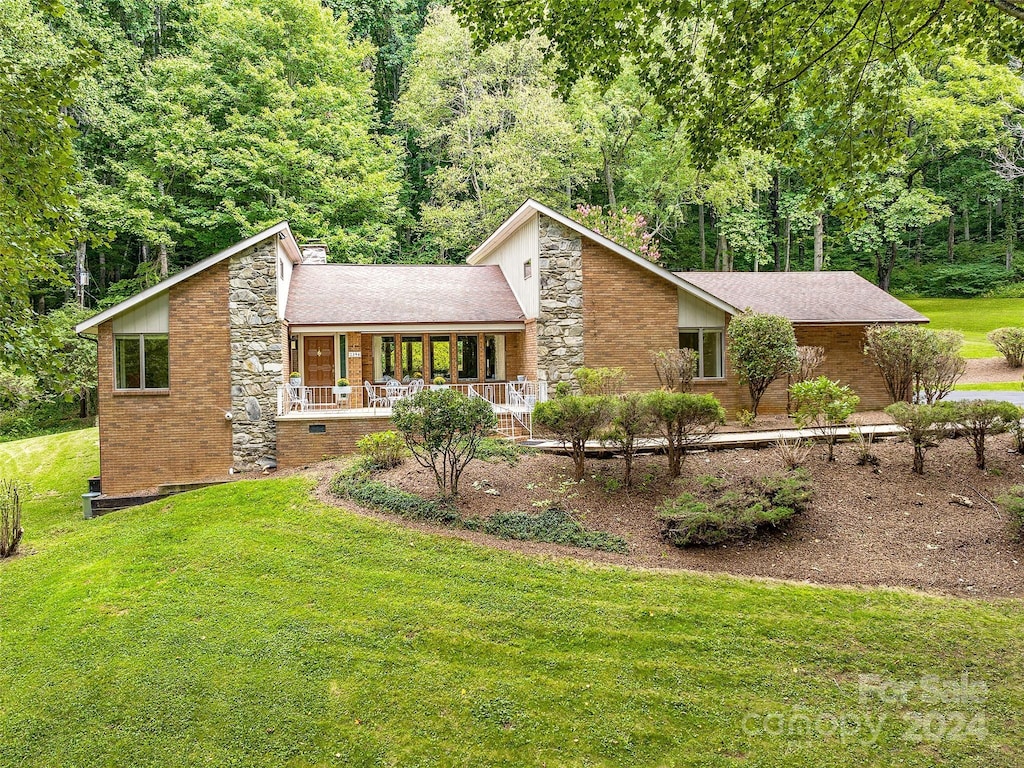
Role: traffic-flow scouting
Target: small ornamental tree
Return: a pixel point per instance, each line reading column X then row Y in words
column 676, row 368
column 925, row 425
column 915, row 363
column 631, row 420
column 940, row 365
column 575, row 419
column 810, row 360
column 825, row 406
column 685, row 420
column 443, row 429
column 981, row 418
column 629, row 230
column 1010, row 343
column 763, row 349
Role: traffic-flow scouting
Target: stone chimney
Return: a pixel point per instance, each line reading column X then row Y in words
column 314, row 253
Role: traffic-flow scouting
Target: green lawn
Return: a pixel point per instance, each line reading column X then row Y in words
column 973, row 317
column 991, row 386
column 249, row 625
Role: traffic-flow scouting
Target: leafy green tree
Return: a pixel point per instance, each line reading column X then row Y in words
column 732, row 68
column 37, row 208
column 490, row 131
column 631, row 420
column 825, row 405
column 762, row 349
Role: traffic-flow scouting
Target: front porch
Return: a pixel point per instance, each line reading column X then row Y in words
column 512, row 402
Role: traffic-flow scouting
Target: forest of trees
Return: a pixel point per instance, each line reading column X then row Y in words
column 141, row 136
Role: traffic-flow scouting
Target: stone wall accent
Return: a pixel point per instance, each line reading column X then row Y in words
column 560, row 320
column 257, row 356
column 178, row 434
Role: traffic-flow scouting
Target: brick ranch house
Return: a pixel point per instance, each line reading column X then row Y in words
column 193, row 372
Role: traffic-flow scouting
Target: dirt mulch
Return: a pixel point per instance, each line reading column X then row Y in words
column 989, row 369
column 867, row 526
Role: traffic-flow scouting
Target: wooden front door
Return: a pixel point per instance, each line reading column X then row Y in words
column 318, row 361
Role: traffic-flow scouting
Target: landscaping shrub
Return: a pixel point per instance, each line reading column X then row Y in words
column 745, row 508
column 575, row 419
column 980, row 418
column 762, row 349
column 555, row 526
column 631, row 420
column 10, row 518
column 600, row 381
column 810, row 359
column 1013, row 503
column 824, row 405
column 915, row 362
column 383, row 450
column 864, row 441
column 685, row 420
column 792, row 451
column 443, row 429
column 925, row 425
column 1010, row 343
column 676, row 368
column 17, row 390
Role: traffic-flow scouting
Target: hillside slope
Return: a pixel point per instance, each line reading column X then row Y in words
column 248, row 625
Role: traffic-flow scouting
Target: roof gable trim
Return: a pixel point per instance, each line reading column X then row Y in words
column 92, row 324
column 531, row 207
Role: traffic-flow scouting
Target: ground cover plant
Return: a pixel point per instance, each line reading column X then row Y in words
column 251, row 624
column 729, row 509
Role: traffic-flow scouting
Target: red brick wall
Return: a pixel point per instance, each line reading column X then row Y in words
column 628, row 312
column 179, row 435
column 297, row 447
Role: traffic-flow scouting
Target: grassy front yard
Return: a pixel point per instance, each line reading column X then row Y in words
column 250, row 624
column 973, row 317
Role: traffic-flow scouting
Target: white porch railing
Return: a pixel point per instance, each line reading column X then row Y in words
column 512, row 401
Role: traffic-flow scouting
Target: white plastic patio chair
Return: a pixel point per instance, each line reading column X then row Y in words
column 297, row 400
column 394, row 391
column 415, row 386
column 373, row 397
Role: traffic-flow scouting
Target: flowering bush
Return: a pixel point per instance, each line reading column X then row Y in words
column 627, row 229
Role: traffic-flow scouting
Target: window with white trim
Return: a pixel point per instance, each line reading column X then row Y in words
column 141, row 361
column 709, row 345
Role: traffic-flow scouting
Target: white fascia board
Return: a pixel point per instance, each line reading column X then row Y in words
column 411, row 328
column 531, row 206
column 91, row 325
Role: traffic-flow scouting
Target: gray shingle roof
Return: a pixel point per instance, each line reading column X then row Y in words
column 388, row 294
column 806, row 297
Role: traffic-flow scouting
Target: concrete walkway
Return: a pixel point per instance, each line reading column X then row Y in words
column 1005, row 395
column 723, row 440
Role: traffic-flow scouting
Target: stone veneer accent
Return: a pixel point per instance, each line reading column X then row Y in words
column 257, row 355
column 560, row 320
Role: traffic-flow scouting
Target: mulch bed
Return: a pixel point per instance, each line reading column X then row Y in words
column 989, row 369
column 876, row 526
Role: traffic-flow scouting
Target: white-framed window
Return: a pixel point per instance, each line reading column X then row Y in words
column 527, row 269
column 141, row 361
column 709, row 345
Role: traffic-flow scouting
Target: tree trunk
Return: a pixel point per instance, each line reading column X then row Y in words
column 163, row 260
column 80, row 274
column 918, row 460
column 885, row 264
column 789, row 240
column 819, row 243
column 950, row 237
column 967, row 225
column 988, row 224
column 774, row 204
column 609, row 181
column 917, row 248
column 703, row 236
